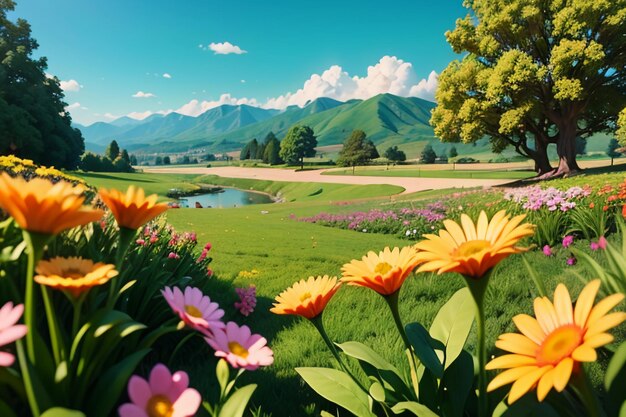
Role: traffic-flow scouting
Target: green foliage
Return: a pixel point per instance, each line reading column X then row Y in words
column 299, row 143
column 357, row 150
column 112, row 151
column 33, row 119
column 611, row 149
column 581, row 145
column 96, row 163
column 620, row 133
column 250, row 150
column 525, row 63
column 167, row 160
column 428, row 155
column 394, row 154
column 591, row 223
column 133, row 160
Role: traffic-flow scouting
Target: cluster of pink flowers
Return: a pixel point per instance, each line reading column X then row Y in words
column 568, row 240
column 600, row 244
column 9, row 330
column 534, row 197
column 205, row 252
column 150, row 233
column 236, row 344
column 247, row 300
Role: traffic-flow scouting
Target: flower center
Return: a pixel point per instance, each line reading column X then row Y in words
column 382, row 268
column 193, row 311
column 305, row 296
column 159, row 406
column 73, row 273
column 236, row 349
column 471, row 247
column 559, row 344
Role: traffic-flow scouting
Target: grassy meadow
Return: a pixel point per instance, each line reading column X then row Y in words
column 264, row 245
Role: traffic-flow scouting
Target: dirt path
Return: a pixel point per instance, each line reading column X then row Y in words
column 410, row 185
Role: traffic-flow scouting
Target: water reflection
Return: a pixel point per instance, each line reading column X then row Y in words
column 231, row 197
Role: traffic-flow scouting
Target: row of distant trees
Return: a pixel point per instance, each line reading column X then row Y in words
column 113, row 160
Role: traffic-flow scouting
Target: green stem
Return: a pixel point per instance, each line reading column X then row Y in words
column 392, row 302
column 36, row 243
column 126, row 237
column 53, row 327
column 28, row 380
column 583, row 388
column 478, row 289
column 78, row 304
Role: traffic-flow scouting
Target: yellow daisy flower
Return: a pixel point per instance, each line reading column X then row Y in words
column 75, row 275
column 132, row 209
column 306, row 298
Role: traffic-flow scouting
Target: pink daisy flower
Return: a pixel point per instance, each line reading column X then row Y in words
column 567, row 241
column 194, row 308
column 241, row 348
column 164, row 395
column 9, row 331
column 547, row 250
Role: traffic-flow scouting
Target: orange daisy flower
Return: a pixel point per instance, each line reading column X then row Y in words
column 75, row 275
column 472, row 249
column 553, row 344
column 132, row 209
column 40, row 206
column 384, row 273
column 306, row 298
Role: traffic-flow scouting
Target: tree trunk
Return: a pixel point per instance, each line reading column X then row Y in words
column 566, row 150
column 302, row 164
column 542, row 163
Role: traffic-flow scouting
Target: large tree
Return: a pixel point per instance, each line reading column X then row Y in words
column 299, row 143
column 535, row 72
column 271, row 154
column 33, row 121
column 357, row 150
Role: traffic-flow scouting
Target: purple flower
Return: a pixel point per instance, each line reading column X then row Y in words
column 547, row 250
column 571, row 260
column 247, row 300
column 567, row 241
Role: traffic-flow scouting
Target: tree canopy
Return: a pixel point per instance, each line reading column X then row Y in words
column 394, row 154
column 535, row 73
column 357, row 150
column 299, row 143
column 428, row 155
column 33, row 121
column 271, row 153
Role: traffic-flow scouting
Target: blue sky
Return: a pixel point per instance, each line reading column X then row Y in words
column 106, row 52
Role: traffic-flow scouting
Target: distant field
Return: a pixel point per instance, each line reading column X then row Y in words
column 151, row 183
column 426, row 173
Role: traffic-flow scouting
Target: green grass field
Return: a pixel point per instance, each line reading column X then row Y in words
column 151, row 183
column 263, row 245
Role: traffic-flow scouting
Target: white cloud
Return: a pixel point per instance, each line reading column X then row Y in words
column 243, row 81
column 225, row 48
column 110, row 116
column 166, row 75
column 389, row 75
column 143, row 114
column 73, row 106
column 196, row 107
column 141, row 94
column 70, row 85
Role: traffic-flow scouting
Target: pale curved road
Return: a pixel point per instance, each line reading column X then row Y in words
column 410, row 185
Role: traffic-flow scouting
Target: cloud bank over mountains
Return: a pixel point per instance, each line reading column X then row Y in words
column 389, row 75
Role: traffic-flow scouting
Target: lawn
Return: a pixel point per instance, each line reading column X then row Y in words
column 151, row 183
column 266, row 246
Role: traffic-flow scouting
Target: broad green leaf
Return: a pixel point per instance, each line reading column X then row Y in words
column 416, row 409
column 111, row 384
column 616, row 365
column 5, row 410
column 453, row 323
column 61, row 372
column 376, row 366
column 541, row 287
column 339, row 388
column 424, row 346
column 457, row 384
column 62, row 412
column 377, row 392
column 223, row 373
column 327, row 414
column 527, row 406
column 237, row 403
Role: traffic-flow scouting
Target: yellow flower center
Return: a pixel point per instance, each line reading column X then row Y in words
column 559, row 345
column 237, row 349
column 193, row 311
column 305, row 296
column 159, row 406
column 73, row 273
column 471, row 247
column 382, row 268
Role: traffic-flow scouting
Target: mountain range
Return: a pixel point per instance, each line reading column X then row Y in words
column 387, row 119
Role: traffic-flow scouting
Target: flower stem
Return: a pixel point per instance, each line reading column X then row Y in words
column 36, row 243
column 126, row 237
column 77, row 303
column 53, row 327
column 582, row 387
column 392, row 302
column 478, row 288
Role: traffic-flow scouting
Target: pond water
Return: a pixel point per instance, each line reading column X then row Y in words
column 231, row 197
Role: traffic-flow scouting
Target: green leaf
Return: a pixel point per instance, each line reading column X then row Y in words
column 417, row 409
column 457, row 384
column 453, row 323
column 527, row 406
column 110, row 385
column 62, row 412
column 236, row 405
column 424, row 346
column 376, row 366
column 223, row 373
column 377, row 392
column 541, row 288
column 5, row 410
column 339, row 388
column 616, row 365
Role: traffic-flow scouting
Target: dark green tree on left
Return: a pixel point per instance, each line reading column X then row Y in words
column 33, row 121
